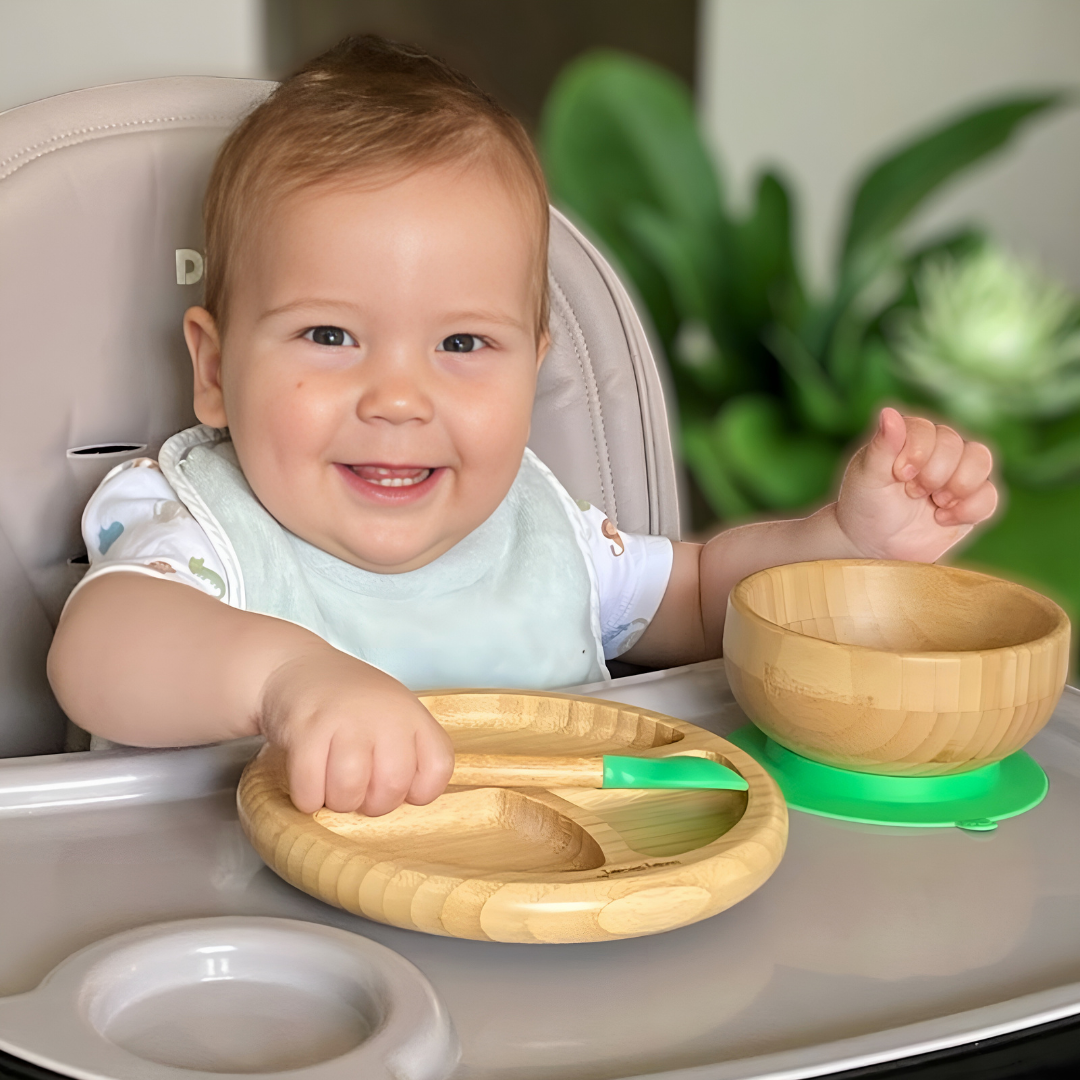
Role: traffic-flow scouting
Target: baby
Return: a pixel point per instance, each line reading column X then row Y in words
column 359, row 493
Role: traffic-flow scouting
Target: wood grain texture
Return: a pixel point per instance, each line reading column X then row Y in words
column 533, row 865
column 527, row 770
column 894, row 667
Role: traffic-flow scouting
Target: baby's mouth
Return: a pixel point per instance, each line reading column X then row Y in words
column 385, row 476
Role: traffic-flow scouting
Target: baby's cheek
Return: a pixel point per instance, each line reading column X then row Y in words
column 491, row 472
column 292, row 423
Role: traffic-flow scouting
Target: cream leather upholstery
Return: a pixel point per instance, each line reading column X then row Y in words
column 99, row 191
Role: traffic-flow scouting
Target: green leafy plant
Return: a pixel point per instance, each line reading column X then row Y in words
column 773, row 382
column 996, row 345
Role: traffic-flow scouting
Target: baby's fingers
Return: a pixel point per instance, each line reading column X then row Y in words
column 940, row 463
column 876, row 460
column 919, row 443
column 393, row 770
column 969, row 511
column 434, row 766
column 305, row 769
column 969, row 475
column 348, row 773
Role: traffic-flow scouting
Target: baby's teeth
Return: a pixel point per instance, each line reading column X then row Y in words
column 403, row 481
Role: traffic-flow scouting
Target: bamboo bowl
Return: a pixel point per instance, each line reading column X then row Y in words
column 894, row 667
column 533, row 865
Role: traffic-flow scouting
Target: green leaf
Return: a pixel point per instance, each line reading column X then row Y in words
column 697, row 366
column 764, row 277
column 958, row 244
column 1051, row 467
column 713, row 478
column 873, row 385
column 1039, row 454
column 873, row 264
column 616, row 131
column 781, row 469
column 676, row 250
column 700, row 391
column 815, row 396
column 1034, row 542
column 894, row 187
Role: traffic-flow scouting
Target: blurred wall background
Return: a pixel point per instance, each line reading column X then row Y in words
column 817, row 87
column 512, row 48
column 51, row 46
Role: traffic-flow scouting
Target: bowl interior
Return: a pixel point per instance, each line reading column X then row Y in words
column 899, row 607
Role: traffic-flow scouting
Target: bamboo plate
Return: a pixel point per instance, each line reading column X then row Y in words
column 533, row 865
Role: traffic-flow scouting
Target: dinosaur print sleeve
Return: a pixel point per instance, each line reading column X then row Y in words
column 135, row 522
column 632, row 573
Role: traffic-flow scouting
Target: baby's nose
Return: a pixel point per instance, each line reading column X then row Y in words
column 395, row 396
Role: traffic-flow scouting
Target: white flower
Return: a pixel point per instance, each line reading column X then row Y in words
column 992, row 337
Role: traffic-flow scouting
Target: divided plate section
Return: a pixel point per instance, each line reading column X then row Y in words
column 646, row 823
column 521, row 722
column 660, row 823
column 475, row 831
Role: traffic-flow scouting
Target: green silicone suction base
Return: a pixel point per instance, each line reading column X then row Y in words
column 974, row 800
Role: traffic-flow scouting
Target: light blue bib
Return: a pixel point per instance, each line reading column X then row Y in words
column 514, row 604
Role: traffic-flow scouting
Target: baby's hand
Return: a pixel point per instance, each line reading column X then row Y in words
column 914, row 490
column 354, row 738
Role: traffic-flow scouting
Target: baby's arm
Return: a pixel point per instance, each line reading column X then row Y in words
column 151, row 662
column 911, row 493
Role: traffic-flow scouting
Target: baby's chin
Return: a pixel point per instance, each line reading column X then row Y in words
column 392, row 539
column 389, row 554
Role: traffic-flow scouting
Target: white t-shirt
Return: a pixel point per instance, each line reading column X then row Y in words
column 135, row 522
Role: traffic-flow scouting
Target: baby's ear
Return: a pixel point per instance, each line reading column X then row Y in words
column 542, row 347
column 204, row 345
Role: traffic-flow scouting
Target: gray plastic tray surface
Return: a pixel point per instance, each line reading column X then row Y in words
column 867, row 945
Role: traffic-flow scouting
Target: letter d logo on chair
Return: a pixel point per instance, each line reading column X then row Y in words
column 189, row 266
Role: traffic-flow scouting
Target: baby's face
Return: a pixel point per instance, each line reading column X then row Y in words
column 379, row 366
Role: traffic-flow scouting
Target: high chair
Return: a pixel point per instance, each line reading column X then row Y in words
column 100, row 225
column 864, row 948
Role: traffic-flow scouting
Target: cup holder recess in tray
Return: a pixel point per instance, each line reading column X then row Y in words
column 233, row 995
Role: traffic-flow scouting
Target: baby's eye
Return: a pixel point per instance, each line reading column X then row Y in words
column 461, row 343
column 330, row 335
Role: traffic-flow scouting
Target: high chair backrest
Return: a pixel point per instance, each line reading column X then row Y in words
column 100, row 253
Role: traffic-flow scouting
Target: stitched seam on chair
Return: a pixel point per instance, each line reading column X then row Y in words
column 90, row 133
column 585, row 363
column 581, row 366
column 655, row 438
column 620, row 301
column 584, row 377
column 99, row 127
column 637, row 367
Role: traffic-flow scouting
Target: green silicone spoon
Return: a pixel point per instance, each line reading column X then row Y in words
column 609, row 771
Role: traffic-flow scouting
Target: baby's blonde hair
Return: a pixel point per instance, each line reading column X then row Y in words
column 367, row 109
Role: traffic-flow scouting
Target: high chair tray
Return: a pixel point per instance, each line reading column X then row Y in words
column 867, row 945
